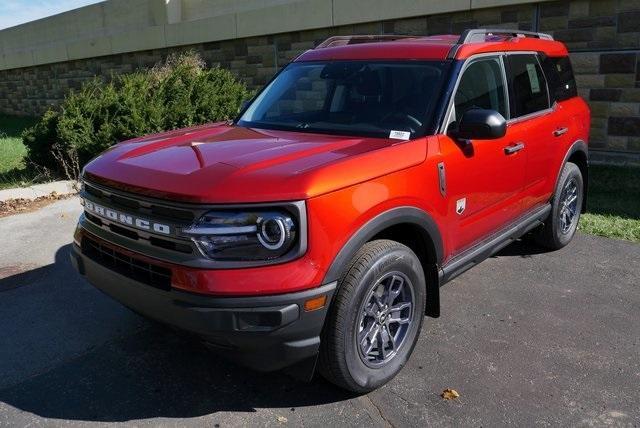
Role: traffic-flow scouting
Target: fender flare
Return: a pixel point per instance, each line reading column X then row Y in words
column 577, row 146
column 395, row 216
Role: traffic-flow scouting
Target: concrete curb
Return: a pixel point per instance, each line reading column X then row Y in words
column 64, row 187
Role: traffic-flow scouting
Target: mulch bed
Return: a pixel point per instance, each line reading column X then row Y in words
column 16, row 206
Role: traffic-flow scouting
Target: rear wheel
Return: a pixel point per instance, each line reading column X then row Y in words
column 375, row 320
column 562, row 222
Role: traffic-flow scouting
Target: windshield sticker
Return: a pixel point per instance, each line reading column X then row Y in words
column 400, row 135
column 533, row 78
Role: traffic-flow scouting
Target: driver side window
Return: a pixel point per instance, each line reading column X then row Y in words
column 481, row 86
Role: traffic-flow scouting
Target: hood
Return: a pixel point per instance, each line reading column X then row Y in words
column 221, row 163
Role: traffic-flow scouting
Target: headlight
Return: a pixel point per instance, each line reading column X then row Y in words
column 245, row 235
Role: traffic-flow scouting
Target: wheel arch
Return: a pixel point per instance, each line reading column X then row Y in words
column 410, row 226
column 578, row 154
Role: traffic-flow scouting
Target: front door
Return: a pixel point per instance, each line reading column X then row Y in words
column 484, row 178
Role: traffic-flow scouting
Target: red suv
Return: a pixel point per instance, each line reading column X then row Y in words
column 317, row 227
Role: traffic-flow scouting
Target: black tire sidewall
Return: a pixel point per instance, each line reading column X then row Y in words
column 570, row 171
column 404, row 261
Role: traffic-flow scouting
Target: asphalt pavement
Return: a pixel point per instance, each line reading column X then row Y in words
column 526, row 338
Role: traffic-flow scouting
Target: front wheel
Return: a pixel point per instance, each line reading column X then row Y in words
column 562, row 222
column 375, row 320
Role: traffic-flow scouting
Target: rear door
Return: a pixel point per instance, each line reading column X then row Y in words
column 484, row 178
column 534, row 123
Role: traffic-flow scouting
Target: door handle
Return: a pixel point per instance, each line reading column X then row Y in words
column 560, row 131
column 514, row 148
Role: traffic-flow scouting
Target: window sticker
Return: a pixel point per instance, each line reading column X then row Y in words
column 400, row 135
column 533, row 78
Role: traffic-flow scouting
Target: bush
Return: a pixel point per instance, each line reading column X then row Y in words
column 177, row 93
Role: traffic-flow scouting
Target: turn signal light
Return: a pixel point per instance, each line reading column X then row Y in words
column 315, row 303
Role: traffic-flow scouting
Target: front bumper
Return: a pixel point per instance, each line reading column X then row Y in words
column 265, row 333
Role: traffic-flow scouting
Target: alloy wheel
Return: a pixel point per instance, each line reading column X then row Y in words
column 385, row 319
column 568, row 206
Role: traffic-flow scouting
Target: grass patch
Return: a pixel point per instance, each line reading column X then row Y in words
column 14, row 171
column 614, row 203
column 12, row 153
column 611, row 226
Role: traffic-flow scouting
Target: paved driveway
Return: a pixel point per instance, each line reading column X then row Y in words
column 525, row 338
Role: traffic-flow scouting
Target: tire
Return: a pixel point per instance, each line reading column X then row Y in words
column 363, row 290
column 561, row 225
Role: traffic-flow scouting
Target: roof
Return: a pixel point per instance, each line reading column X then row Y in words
column 440, row 47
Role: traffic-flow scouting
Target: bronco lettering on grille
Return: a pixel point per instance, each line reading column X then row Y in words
column 129, row 220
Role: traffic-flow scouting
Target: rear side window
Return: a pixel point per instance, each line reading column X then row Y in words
column 562, row 84
column 528, row 84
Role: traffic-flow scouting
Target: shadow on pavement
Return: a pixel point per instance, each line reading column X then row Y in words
column 524, row 247
column 146, row 372
column 84, row 357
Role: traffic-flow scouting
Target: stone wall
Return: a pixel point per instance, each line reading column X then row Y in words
column 604, row 39
column 602, row 35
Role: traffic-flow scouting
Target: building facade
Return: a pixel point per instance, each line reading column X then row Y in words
column 43, row 60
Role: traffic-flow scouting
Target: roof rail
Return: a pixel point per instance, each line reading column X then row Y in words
column 353, row 40
column 480, row 35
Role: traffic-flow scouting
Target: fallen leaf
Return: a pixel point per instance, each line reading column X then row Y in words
column 450, row 394
column 282, row 419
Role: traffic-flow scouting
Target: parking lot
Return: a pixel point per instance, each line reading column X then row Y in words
column 526, row 338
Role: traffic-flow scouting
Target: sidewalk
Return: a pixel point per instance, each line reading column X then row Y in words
column 64, row 187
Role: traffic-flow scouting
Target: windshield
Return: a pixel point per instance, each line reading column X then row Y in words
column 377, row 99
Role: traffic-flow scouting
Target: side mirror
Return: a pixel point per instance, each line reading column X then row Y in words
column 480, row 124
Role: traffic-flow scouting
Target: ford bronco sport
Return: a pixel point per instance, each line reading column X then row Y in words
column 316, row 229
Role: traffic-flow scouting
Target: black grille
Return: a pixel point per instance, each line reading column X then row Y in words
column 158, row 242
column 133, row 206
column 138, row 270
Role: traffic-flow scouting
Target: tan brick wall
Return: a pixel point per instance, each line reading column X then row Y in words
column 602, row 35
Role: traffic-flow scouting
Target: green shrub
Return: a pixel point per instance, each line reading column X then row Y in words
column 39, row 140
column 177, row 93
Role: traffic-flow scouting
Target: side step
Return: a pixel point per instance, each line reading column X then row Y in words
column 488, row 247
